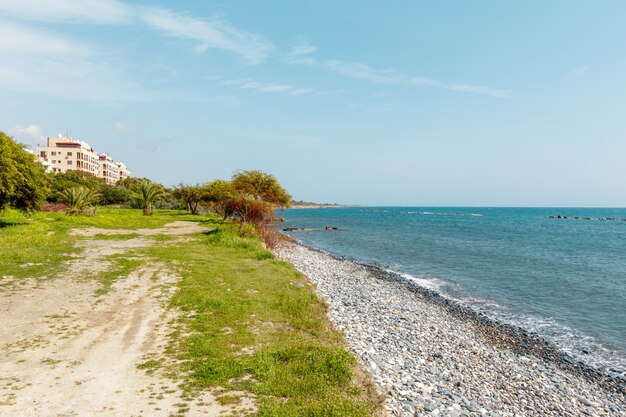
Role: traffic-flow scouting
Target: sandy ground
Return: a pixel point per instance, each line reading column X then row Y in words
column 66, row 352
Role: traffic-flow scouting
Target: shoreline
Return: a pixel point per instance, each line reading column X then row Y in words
column 529, row 351
column 318, row 206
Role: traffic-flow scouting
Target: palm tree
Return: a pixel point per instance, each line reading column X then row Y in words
column 79, row 199
column 147, row 193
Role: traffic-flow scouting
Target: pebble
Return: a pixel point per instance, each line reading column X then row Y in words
column 432, row 360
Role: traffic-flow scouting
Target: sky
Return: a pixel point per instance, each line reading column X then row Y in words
column 423, row 103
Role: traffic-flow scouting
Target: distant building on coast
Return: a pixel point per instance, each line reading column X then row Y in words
column 63, row 154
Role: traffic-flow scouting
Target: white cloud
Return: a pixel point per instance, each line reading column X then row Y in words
column 207, row 34
column 301, row 59
column 303, row 47
column 578, row 71
column 291, row 90
column 97, row 11
column 67, row 78
column 214, row 34
column 301, row 53
column 123, row 127
column 31, row 135
column 364, row 72
column 421, row 81
column 23, row 40
column 476, row 89
column 41, row 63
column 37, row 62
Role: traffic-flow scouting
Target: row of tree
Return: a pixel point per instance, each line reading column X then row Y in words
column 127, row 192
column 250, row 197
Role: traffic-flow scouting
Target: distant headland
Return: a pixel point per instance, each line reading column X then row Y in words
column 309, row 204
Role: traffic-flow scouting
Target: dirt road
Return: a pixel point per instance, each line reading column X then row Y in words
column 66, row 352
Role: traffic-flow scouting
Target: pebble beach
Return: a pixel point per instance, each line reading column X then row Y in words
column 431, row 356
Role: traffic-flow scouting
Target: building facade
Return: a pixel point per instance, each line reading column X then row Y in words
column 124, row 172
column 109, row 170
column 64, row 154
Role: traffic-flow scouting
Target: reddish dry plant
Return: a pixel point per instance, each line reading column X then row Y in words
column 56, row 207
column 270, row 236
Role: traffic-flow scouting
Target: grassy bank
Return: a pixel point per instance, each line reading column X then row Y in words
column 37, row 245
column 248, row 323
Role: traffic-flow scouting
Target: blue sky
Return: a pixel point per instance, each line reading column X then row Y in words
column 368, row 102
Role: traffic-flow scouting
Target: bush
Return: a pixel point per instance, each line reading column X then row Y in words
column 79, row 200
column 148, row 193
column 111, row 194
column 23, row 182
column 62, row 181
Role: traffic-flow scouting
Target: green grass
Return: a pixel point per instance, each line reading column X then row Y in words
column 36, row 245
column 33, row 246
column 229, row 399
column 244, row 325
column 253, row 330
column 116, row 236
column 122, row 266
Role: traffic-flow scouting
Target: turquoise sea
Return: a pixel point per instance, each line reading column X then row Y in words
column 562, row 278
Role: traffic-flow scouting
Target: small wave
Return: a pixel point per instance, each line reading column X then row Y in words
column 580, row 346
column 426, row 213
column 480, row 304
column 430, row 283
column 576, row 344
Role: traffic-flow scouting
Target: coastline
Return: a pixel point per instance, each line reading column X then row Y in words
column 318, row 206
column 434, row 356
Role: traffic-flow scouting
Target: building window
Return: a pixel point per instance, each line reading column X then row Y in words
column 69, row 162
column 69, row 154
column 42, row 154
column 54, row 153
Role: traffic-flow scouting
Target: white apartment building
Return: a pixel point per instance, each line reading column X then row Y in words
column 124, row 172
column 109, row 170
column 64, row 154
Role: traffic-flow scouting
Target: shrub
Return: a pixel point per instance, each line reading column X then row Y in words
column 23, row 183
column 147, row 193
column 79, row 200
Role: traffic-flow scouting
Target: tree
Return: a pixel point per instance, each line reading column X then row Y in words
column 108, row 194
column 61, row 181
column 23, row 183
column 147, row 193
column 130, row 182
column 112, row 194
column 259, row 185
column 256, row 212
column 250, row 197
column 79, row 199
column 219, row 195
column 191, row 195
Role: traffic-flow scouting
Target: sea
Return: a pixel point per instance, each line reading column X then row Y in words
column 563, row 278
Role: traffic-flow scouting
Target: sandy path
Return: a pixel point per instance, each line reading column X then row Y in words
column 65, row 352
